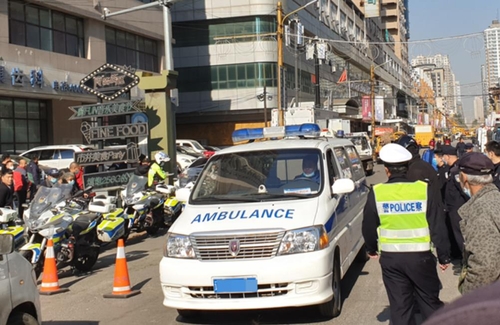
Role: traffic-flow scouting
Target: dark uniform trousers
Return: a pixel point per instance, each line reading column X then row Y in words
column 408, row 277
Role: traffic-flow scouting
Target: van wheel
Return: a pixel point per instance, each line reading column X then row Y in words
column 22, row 319
column 333, row 307
column 187, row 313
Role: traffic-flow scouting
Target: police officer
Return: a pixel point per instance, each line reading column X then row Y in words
column 419, row 170
column 454, row 198
column 493, row 152
column 404, row 218
column 443, row 171
column 469, row 147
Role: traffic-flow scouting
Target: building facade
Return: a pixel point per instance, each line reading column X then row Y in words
column 226, row 56
column 478, row 109
column 492, row 48
column 46, row 48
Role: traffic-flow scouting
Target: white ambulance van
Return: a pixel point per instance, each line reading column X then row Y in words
column 268, row 224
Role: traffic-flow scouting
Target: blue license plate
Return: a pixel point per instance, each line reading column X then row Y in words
column 235, row 285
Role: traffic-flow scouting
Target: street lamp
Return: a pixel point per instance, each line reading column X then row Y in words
column 279, row 35
column 372, row 80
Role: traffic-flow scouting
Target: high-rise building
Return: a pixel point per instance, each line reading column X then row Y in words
column 478, row 109
column 492, row 46
column 439, row 68
column 395, row 20
column 484, row 87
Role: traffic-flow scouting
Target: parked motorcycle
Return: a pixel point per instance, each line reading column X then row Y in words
column 55, row 213
column 172, row 207
column 10, row 224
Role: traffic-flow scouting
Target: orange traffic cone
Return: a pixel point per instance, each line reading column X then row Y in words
column 121, row 283
column 50, row 281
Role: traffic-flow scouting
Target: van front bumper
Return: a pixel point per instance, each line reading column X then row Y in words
column 283, row 281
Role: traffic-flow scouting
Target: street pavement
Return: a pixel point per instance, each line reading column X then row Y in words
column 365, row 299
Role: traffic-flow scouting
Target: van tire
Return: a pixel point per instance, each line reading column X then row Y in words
column 20, row 318
column 332, row 308
column 187, row 313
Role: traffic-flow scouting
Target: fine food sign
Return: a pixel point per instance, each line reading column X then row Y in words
column 108, row 179
column 109, row 81
column 92, row 133
column 128, row 154
column 106, row 109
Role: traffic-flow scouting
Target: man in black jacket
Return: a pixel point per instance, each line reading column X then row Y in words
column 460, row 147
column 443, row 171
column 493, row 151
column 6, row 191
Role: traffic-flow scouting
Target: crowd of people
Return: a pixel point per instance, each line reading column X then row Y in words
column 451, row 199
column 19, row 184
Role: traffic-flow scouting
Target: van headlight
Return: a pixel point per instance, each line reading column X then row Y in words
column 304, row 240
column 178, row 246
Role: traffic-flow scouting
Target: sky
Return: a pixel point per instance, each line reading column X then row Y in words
column 431, row 19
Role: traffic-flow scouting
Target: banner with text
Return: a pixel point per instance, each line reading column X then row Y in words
column 379, row 108
column 108, row 179
column 366, row 105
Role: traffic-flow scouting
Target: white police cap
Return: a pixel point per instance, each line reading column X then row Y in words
column 393, row 153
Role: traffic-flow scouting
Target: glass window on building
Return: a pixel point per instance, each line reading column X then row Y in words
column 206, row 32
column 125, row 48
column 233, row 76
column 23, row 124
column 41, row 28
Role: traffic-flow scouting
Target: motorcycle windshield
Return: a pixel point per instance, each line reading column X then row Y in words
column 48, row 197
column 135, row 185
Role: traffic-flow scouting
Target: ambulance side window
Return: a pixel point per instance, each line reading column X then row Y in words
column 333, row 171
column 343, row 160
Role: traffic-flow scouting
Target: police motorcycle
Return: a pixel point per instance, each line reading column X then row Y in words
column 172, row 207
column 10, row 224
column 55, row 213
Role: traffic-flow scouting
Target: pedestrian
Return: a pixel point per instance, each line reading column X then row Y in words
column 481, row 306
column 489, row 134
column 443, row 171
column 480, row 223
column 21, row 185
column 6, row 191
column 404, row 218
column 143, row 168
column 469, row 147
column 428, row 155
column 460, row 147
column 5, row 160
column 52, row 178
column 34, row 175
column 481, row 137
column 454, row 198
column 77, row 170
column 493, row 152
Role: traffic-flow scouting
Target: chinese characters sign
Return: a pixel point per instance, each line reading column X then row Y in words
column 128, row 154
column 105, row 109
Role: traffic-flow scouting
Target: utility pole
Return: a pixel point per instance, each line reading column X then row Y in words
column 372, row 97
column 317, row 101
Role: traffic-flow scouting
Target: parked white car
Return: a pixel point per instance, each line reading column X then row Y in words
column 56, row 156
column 183, row 160
column 20, row 301
column 193, row 144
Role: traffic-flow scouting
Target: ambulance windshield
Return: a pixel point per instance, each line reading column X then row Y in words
column 260, row 175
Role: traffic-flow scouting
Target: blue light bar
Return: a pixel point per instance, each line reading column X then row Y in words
column 248, row 134
column 308, row 129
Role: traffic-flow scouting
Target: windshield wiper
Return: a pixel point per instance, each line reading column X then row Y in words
column 239, row 198
column 278, row 196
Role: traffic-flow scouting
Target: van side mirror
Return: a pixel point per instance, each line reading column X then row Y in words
column 343, row 186
column 183, row 194
column 6, row 244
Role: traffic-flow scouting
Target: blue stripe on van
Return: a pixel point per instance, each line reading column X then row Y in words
column 341, row 207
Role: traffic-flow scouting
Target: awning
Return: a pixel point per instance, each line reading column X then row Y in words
column 347, row 106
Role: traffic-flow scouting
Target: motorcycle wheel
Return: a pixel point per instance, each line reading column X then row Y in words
column 37, row 267
column 86, row 261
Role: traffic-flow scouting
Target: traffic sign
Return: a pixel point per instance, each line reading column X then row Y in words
column 109, row 81
column 106, row 109
column 128, row 154
column 92, row 133
column 139, row 118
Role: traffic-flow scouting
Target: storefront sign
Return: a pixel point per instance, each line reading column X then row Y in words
column 113, row 131
column 128, row 154
column 17, row 77
column 108, row 179
column 36, row 78
column 105, row 109
column 109, row 81
column 67, row 87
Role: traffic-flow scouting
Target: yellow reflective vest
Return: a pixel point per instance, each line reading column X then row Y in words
column 154, row 170
column 402, row 211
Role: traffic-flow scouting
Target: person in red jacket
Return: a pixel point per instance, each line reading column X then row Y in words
column 76, row 169
column 21, row 184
